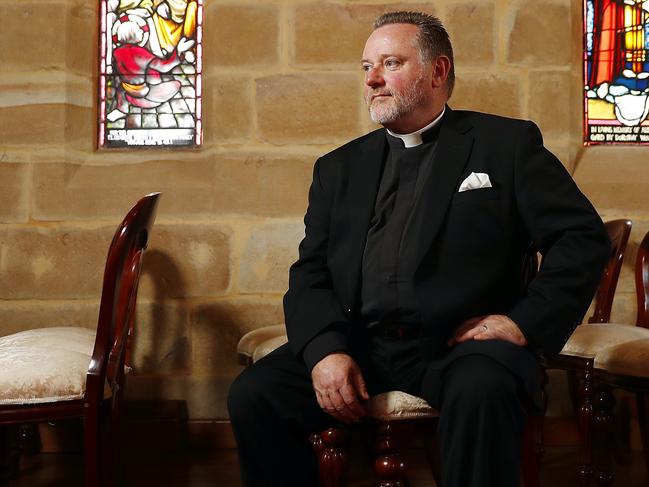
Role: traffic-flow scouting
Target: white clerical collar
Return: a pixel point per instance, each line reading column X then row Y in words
column 414, row 139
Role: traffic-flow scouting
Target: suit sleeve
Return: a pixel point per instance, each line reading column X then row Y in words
column 571, row 238
column 315, row 321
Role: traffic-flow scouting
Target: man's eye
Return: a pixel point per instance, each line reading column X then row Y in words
column 392, row 64
column 366, row 67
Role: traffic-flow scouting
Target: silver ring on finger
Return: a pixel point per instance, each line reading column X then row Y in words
column 485, row 328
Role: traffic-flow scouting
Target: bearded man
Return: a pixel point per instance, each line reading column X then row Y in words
column 410, row 275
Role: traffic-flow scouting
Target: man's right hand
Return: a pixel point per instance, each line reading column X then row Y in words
column 340, row 387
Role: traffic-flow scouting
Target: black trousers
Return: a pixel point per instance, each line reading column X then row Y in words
column 273, row 409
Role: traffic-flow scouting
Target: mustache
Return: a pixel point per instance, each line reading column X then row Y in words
column 374, row 93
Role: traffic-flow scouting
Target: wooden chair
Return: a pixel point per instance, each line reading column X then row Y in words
column 394, row 417
column 587, row 341
column 624, row 366
column 51, row 374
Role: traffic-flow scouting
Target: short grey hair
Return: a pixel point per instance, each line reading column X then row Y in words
column 433, row 40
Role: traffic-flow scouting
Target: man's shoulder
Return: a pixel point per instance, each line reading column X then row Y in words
column 488, row 120
column 356, row 145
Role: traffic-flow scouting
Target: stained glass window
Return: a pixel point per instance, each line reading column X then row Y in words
column 150, row 73
column 616, row 71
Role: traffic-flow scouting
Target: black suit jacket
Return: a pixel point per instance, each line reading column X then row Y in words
column 470, row 245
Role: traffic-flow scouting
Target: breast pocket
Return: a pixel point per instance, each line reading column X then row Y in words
column 476, row 196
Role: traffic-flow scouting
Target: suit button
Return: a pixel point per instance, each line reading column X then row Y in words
column 349, row 310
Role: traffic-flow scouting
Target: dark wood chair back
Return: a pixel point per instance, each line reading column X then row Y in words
column 618, row 232
column 642, row 282
column 118, row 298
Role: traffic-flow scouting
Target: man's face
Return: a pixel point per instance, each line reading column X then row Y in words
column 396, row 80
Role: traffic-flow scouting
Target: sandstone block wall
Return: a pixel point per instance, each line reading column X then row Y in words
column 282, row 85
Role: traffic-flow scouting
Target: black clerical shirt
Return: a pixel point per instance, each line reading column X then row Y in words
column 387, row 293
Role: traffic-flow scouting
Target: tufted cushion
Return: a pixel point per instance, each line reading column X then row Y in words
column 267, row 346
column 45, row 365
column 588, row 340
column 251, row 340
column 630, row 358
column 395, row 405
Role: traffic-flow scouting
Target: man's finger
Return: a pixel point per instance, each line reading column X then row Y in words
column 350, row 396
column 359, row 383
column 472, row 333
column 342, row 409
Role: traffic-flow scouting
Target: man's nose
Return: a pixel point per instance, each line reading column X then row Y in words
column 373, row 77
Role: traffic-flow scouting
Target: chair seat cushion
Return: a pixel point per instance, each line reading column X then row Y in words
column 267, row 346
column 398, row 405
column 589, row 340
column 630, row 358
column 251, row 340
column 45, row 365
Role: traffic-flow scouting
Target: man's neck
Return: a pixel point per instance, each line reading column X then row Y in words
column 414, row 138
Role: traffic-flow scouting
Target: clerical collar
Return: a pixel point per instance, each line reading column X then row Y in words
column 416, row 138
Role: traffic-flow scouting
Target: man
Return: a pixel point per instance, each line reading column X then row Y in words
column 410, row 275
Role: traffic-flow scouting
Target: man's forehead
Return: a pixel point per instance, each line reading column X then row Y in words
column 391, row 39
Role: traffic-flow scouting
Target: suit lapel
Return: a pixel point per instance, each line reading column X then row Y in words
column 453, row 149
column 364, row 178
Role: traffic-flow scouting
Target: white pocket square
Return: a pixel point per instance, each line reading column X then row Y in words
column 475, row 180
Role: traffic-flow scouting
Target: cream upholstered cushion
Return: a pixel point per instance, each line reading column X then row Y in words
column 251, row 340
column 588, row 340
column 630, row 358
column 396, row 405
column 45, row 365
column 267, row 346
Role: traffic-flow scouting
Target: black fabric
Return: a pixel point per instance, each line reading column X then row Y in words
column 387, row 291
column 273, row 410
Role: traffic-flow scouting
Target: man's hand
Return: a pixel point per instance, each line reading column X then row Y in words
column 490, row 327
column 340, row 387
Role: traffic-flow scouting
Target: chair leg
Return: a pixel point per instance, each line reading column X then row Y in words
column 91, row 447
column 642, row 402
column 585, row 422
column 604, row 403
column 330, row 449
column 9, row 453
column 531, row 458
column 389, row 465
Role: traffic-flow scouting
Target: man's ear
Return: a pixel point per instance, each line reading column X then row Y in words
column 441, row 69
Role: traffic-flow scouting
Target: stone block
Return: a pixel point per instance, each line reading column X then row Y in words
column 81, row 31
column 624, row 308
column 206, row 396
column 161, row 338
column 550, row 103
column 86, row 191
column 540, row 34
column 34, row 36
column 259, row 185
column 491, row 93
column 267, row 256
column 471, row 27
column 55, row 263
column 32, row 124
column 21, row 315
column 240, row 35
column 185, row 261
column 217, row 327
column 308, row 109
column 80, row 128
column 14, row 203
column 227, row 109
column 327, row 33
column 250, row 184
column 614, row 178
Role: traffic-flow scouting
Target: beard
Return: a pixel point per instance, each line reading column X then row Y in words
column 398, row 105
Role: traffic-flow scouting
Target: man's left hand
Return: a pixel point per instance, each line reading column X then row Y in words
column 490, row 327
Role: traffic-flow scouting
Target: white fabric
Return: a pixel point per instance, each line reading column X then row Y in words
column 414, row 139
column 630, row 359
column 251, row 340
column 395, row 405
column 589, row 339
column 45, row 364
column 475, row 180
column 267, row 346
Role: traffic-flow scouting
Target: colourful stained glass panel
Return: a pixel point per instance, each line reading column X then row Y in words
column 616, row 72
column 150, row 73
